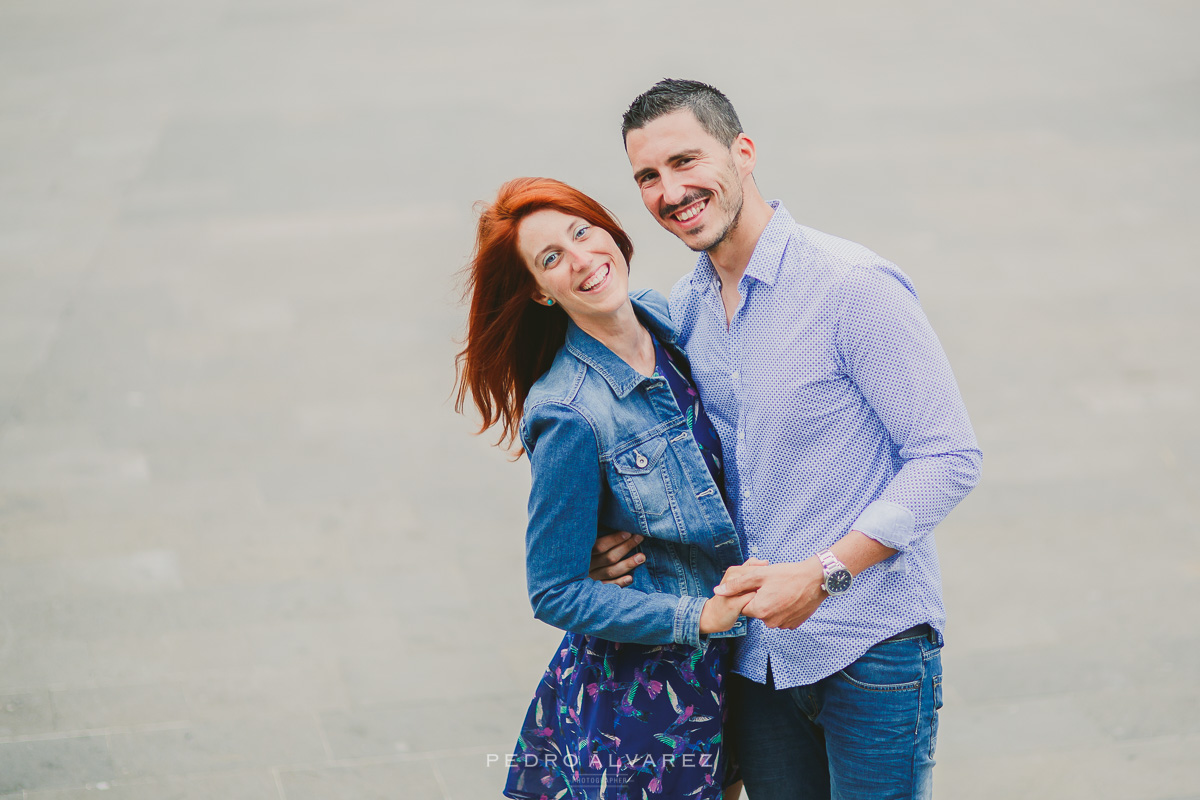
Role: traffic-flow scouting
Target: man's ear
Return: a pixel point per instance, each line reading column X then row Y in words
column 744, row 154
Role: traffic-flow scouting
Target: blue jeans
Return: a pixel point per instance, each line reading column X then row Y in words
column 867, row 732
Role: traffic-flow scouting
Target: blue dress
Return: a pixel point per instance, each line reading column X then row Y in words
column 621, row 721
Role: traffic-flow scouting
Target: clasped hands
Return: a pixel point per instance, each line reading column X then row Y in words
column 781, row 595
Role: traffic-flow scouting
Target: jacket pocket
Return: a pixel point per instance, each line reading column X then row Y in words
column 643, row 472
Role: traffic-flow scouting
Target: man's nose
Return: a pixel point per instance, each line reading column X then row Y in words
column 673, row 189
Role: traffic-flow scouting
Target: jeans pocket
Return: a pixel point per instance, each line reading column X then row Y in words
column 887, row 667
column 937, row 704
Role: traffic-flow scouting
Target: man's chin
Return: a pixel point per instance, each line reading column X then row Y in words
column 703, row 244
column 696, row 240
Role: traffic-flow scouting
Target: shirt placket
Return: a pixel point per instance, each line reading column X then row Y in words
column 746, row 516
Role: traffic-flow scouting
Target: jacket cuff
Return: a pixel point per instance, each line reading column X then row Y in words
column 891, row 525
column 687, row 620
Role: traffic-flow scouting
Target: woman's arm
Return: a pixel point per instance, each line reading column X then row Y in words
column 564, row 508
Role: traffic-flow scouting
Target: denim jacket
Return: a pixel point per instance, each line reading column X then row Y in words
column 609, row 450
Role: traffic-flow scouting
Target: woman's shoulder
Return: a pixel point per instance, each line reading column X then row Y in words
column 554, row 403
column 652, row 300
column 559, row 385
column 655, row 311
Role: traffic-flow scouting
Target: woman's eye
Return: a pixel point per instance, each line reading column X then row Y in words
column 583, row 229
column 549, row 260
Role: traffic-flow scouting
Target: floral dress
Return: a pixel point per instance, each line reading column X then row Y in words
column 620, row 721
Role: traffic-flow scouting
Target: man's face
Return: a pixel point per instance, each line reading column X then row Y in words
column 689, row 181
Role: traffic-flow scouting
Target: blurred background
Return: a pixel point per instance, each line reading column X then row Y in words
column 247, row 548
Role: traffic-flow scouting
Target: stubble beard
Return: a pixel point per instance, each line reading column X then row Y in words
column 724, row 233
column 732, row 204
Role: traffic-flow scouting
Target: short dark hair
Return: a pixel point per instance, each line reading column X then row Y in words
column 711, row 108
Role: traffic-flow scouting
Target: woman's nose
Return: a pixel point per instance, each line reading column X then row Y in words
column 578, row 258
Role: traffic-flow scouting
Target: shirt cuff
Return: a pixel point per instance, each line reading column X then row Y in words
column 687, row 620
column 891, row 525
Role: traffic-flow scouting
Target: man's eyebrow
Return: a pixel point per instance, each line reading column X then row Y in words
column 672, row 159
column 641, row 173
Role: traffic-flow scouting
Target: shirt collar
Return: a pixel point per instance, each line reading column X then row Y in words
column 620, row 376
column 767, row 255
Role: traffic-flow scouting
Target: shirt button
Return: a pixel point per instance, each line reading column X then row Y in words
column 734, row 375
column 745, row 492
column 741, row 435
column 754, row 549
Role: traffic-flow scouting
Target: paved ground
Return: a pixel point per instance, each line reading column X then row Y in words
column 247, row 550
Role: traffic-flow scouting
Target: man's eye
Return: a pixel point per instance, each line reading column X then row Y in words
column 583, row 229
column 647, row 180
column 549, row 260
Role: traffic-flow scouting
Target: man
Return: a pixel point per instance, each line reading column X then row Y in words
column 845, row 442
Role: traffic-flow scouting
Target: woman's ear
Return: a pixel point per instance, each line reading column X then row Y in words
column 541, row 298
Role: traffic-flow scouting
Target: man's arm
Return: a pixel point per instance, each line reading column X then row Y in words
column 789, row 593
column 887, row 347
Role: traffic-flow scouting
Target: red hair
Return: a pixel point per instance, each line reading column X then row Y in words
column 511, row 340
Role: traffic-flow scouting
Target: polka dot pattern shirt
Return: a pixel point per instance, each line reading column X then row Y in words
column 837, row 411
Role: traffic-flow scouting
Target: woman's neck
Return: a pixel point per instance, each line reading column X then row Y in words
column 623, row 333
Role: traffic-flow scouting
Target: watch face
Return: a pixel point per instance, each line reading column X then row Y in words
column 837, row 581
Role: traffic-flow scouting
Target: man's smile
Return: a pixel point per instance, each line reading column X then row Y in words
column 686, row 213
column 691, row 211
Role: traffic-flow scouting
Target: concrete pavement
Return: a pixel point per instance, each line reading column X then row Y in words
column 247, row 549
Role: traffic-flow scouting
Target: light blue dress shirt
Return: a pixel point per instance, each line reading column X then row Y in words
column 837, row 411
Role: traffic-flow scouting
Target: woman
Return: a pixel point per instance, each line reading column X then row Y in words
column 590, row 378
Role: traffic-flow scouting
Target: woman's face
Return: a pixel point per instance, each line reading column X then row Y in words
column 574, row 263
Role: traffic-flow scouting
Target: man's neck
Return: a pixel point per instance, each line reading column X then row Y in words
column 732, row 256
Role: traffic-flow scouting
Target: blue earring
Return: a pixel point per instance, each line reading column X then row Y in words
column 549, row 302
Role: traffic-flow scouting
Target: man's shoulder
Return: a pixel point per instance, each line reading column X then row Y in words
column 842, row 255
column 841, row 263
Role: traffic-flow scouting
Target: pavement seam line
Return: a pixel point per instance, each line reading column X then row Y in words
column 278, row 783
column 437, row 776
column 87, row 733
column 399, row 758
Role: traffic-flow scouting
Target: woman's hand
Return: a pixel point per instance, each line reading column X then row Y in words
column 721, row 613
column 716, row 617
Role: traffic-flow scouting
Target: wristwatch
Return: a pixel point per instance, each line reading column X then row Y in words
column 837, row 577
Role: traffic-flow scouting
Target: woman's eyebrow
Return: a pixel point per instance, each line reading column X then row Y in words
column 539, row 253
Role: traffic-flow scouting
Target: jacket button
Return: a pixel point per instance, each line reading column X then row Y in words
column 640, row 461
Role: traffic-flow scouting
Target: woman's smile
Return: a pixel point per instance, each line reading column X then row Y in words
column 596, row 279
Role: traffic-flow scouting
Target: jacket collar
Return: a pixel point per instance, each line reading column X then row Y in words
column 620, row 376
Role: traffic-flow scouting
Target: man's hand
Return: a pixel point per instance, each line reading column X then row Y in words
column 785, row 594
column 610, row 563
